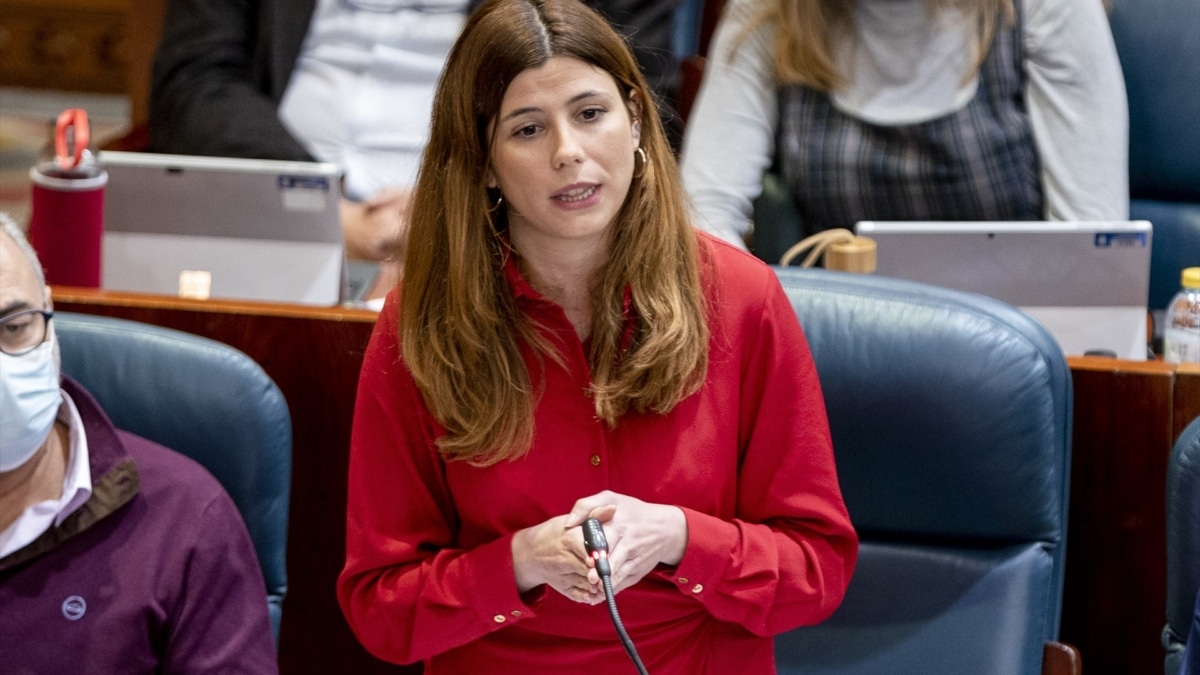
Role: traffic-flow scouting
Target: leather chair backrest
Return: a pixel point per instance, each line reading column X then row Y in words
column 203, row 399
column 1183, row 543
column 951, row 422
column 1158, row 42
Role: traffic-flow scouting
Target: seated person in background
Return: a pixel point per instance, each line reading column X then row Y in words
column 116, row 554
column 566, row 345
column 910, row 110
column 1191, row 655
column 343, row 81
column 649, row 29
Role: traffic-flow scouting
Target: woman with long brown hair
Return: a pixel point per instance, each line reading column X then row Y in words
column 565, row 345
column 854, row 110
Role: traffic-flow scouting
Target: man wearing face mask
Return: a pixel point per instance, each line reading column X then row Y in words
column 116, row 554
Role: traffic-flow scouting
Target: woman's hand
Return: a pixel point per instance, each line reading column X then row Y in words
column 552, row 553
column 375, row 229
column 640, row 535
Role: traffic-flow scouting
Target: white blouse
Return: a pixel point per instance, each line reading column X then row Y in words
column 361, row 94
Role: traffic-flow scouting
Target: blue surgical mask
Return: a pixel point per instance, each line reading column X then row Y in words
column 29, row 401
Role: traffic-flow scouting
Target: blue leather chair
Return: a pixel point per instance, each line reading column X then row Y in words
column 951, row 421
column 1183, row 543
column 1158, row 42
column 205, row 400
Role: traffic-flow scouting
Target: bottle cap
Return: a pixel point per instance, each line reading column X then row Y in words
column 1190, row 277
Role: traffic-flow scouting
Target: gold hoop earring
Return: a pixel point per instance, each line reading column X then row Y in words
column 496, row 207
column 645, row 163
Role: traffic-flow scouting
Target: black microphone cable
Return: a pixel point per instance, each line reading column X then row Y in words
column 597, row 547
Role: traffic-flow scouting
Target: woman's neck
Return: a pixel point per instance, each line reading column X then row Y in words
column 563, row 271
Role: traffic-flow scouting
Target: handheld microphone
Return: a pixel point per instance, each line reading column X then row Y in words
column 596, row 545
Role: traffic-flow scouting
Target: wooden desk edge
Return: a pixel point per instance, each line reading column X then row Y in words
column 97, row 297
column 1099, row 363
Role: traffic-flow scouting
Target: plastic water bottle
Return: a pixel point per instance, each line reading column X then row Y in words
column 1181, row 338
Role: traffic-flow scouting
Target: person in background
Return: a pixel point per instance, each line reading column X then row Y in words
column 566, row 345
column 343, row 81
column 116, row 554
column 909, row 110
column 649, row 29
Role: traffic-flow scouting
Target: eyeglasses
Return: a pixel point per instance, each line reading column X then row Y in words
column 22, row 332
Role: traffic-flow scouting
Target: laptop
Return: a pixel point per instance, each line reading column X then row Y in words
column 1086, row 282
column 223, row 228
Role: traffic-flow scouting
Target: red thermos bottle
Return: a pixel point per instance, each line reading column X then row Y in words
column 66, row 225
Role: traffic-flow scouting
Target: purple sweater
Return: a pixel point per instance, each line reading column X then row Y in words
column 154, row 574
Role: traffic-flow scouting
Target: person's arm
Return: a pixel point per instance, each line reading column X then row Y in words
column 221, row 623
column 407, row 592
column 375, row 229
column 787, row 557
column 203, row 98
column 729, row 141
column 1078, row 109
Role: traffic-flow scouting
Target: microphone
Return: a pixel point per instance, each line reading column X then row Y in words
column 596, row 545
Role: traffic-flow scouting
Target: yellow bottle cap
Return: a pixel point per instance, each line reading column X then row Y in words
column 1190, row 277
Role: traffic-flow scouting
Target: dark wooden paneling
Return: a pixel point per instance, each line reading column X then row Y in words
column 1114, row 600
column 104, row 46
column 78, row 45
column 1187, row 398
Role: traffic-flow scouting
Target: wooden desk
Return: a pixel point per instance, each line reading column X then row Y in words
column 1127, row 416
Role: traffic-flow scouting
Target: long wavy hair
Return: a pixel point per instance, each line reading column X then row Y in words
column 460, row 329
column 807, row 30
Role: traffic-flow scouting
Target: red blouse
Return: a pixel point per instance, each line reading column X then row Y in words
column 429, row 573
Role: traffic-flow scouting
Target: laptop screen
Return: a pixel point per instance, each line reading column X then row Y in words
column 223, row 228
column 1087, row 282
